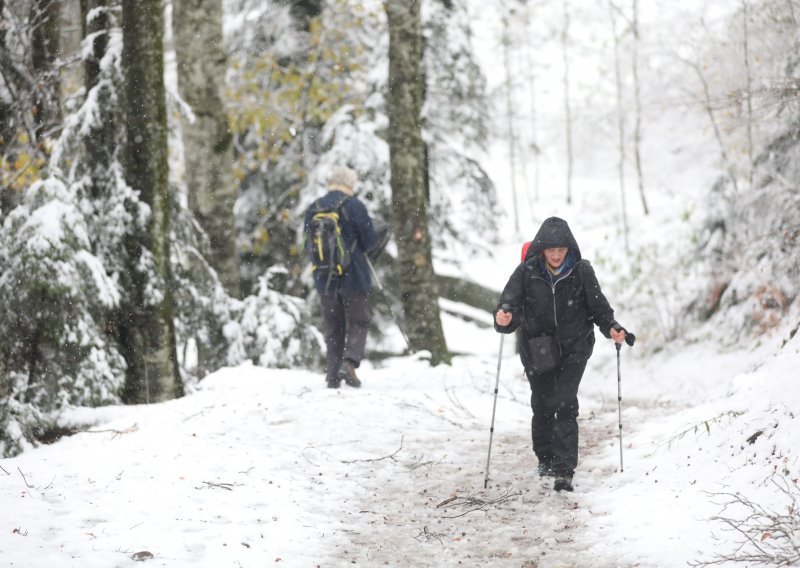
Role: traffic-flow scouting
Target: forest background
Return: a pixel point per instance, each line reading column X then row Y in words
column 156, row 158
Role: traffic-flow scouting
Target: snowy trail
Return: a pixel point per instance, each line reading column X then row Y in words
column 263, row 467
column 427, row 506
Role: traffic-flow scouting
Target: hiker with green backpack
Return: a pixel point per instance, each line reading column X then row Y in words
column 553, row 296
column 338, row 235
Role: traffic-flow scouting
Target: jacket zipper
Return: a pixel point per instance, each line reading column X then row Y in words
column 555, row 310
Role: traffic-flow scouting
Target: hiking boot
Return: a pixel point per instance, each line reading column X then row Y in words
column 544, row 470
column 334, row 384
column 563, row 483
column 348, row 372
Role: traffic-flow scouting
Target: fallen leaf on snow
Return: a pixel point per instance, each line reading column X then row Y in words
column 142, row 555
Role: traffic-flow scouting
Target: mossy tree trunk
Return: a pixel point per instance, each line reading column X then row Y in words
column 146, row 327
column 208, row 150
column 407, row 156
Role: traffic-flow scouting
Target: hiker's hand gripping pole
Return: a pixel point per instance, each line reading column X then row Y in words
column 505, row 308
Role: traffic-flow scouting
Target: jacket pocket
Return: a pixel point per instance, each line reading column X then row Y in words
column 545, row 353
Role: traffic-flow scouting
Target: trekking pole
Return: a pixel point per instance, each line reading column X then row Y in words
column 619, row 404
column 505, row 308
column 386, row 300
column 629, row 339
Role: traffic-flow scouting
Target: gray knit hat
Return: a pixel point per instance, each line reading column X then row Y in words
column 343, row 178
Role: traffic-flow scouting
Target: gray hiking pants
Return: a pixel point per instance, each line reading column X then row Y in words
column 346, row 315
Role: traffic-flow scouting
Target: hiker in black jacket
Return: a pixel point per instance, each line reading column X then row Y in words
column 554, row 295
column 345, row 302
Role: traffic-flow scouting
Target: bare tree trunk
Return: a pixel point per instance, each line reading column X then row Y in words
column 749, row 90
column 531, row 65
column 637, row 130
column 567, row 107
column 44, row 53
column 70, row 27
column 709, row 108
column 620, row 125
column 146, row 325
column 407, row 156
column 512, row 136
column 207, row 141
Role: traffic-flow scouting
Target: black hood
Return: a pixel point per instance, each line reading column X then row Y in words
column 553, row 233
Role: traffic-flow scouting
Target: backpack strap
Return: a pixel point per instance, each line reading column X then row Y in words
column 340, row 207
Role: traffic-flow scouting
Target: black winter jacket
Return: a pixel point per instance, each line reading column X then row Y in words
column 568, row 309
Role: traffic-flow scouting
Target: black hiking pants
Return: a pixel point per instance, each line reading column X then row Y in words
column 554, row 427
column 346, row 316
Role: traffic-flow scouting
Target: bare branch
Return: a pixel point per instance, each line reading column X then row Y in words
column 389, row 457
column 475, row 503
column 767, row 537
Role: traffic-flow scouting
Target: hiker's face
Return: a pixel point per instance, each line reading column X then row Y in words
column 555, row 256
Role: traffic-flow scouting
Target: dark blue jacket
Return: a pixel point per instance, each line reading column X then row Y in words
column 358, row 235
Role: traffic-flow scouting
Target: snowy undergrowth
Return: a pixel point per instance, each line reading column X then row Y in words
column 267, row 466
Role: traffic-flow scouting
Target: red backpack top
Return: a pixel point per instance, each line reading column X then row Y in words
column 525, row 247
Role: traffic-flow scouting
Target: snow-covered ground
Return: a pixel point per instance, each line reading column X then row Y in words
column 263, row 467
column 267, row 467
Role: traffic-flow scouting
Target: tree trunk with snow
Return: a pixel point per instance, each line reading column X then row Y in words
column 146, row 324
column 748, row 89
column 407, row 156
column 567, row 106
column 512, row 133
column 100, row 142
column 708, row 105
column 44, row 19
column 207, row 140
column 637, row 103
column 620, row 124
column 534, row 124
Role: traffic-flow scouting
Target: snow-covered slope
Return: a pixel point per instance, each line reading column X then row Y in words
column 263, row 467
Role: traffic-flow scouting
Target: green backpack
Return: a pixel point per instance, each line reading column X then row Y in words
column 324, row 244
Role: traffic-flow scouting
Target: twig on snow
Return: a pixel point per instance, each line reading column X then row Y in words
column 425, row 534
column 451, row 394
column 431, row 412
column 226, row 486
column 446, row 501
column 198, row 413
column 767, row 537
column 4, row 471
column 116, row 433
column 389, row 457
column 29, row 486
column 476, row 503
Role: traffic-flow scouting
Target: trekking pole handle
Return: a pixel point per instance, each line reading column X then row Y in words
column 630, row 338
